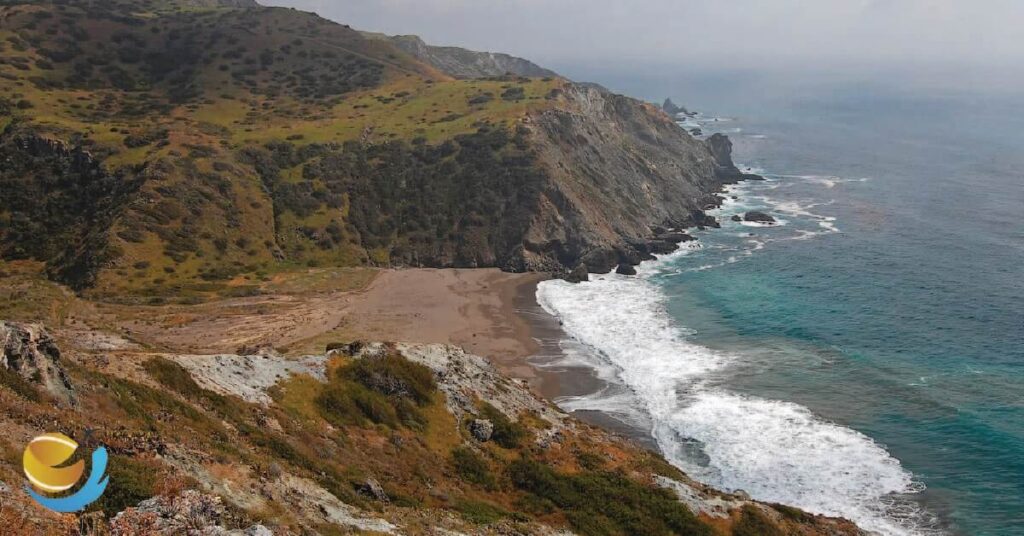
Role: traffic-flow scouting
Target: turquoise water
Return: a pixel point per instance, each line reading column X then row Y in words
column 862, row 358
column 907, row 323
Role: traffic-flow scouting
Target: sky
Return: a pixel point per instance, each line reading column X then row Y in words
column 976, row 40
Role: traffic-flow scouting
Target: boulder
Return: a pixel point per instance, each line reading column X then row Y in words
column 372, row 488
column 757, row 216
column 661, row 247
column 736, row 217
column 675, row 237
column 625, row 269
column 482, row 429
column 578, row 274
column 29, row 351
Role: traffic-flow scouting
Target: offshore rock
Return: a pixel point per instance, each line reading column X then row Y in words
column 578, row 274
column 625, row 269
column 759, row 217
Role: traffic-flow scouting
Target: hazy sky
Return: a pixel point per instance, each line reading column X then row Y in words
column 942, row 37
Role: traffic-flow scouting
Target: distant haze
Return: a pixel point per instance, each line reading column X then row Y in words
column 956, row 42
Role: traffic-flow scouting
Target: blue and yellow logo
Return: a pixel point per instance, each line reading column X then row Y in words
column 43, row 461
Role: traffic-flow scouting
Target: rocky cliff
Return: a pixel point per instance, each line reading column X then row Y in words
column 622, row 173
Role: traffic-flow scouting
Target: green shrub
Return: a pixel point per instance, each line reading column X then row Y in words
column 395, row 376
column 753, row 522
column 472, row 467
column 13, row 381
column 132, row 481
column 388, row 390
column 604, row 503
column 507, row 433
column 479, row 512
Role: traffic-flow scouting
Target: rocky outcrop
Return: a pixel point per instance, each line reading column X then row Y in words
column 190, row 512
column 672, row 108
column 625, row 269
column 30, row 352
column 618, row 167
column 461, row 63
column 721, row 148
column 758, row 217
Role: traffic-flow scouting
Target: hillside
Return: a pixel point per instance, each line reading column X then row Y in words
column 161, row 150
column 367, row 438
column 463, row 63
column 195, row 195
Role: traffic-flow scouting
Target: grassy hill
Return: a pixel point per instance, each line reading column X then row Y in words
column 202, row 126
column 177, row 149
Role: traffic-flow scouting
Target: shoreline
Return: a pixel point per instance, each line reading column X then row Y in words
column 554, row 381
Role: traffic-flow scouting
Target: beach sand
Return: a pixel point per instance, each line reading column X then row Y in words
column 488, row 312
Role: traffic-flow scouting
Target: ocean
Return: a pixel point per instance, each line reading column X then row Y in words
column 864, row 357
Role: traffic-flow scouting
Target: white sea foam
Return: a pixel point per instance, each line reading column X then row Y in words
column 775, row 451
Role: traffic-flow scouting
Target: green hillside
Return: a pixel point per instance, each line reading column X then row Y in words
column 167, row 149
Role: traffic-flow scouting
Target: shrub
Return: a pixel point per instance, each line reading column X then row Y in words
column 753, row 522
column 132, row 481
column 479, row 512
column 513, row 94
column 506, row 433
column 604, row 502
column 472, row 467
column 394, row 375
column 13, row 381
column 371, row 394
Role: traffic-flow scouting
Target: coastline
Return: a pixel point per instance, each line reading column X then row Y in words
column 554, row 379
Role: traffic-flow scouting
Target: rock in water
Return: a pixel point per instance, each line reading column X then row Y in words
column 29, row 351
column 672, row 108
column 759, row 217
column 482, row 429
column 625, row 269
column 736, row 217
column 578, row 274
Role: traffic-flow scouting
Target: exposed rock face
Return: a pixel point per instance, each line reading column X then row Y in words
column 462, row 63
column 625, row 269
column 672, row 108
column 191, row 512
column 578, row 274
column 29, row 351
column 721, row 147
column 482, row 429
column 618, row 168
column 371, row 488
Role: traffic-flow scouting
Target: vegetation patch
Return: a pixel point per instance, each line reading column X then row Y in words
column 388, row 390
column 753, row 522
column 507, row 433
column 480, row 512
column 604, row 503
column 19, row 386
column 472, row 467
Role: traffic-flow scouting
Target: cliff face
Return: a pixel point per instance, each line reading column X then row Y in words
column 463, row 63
column 620, row 168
